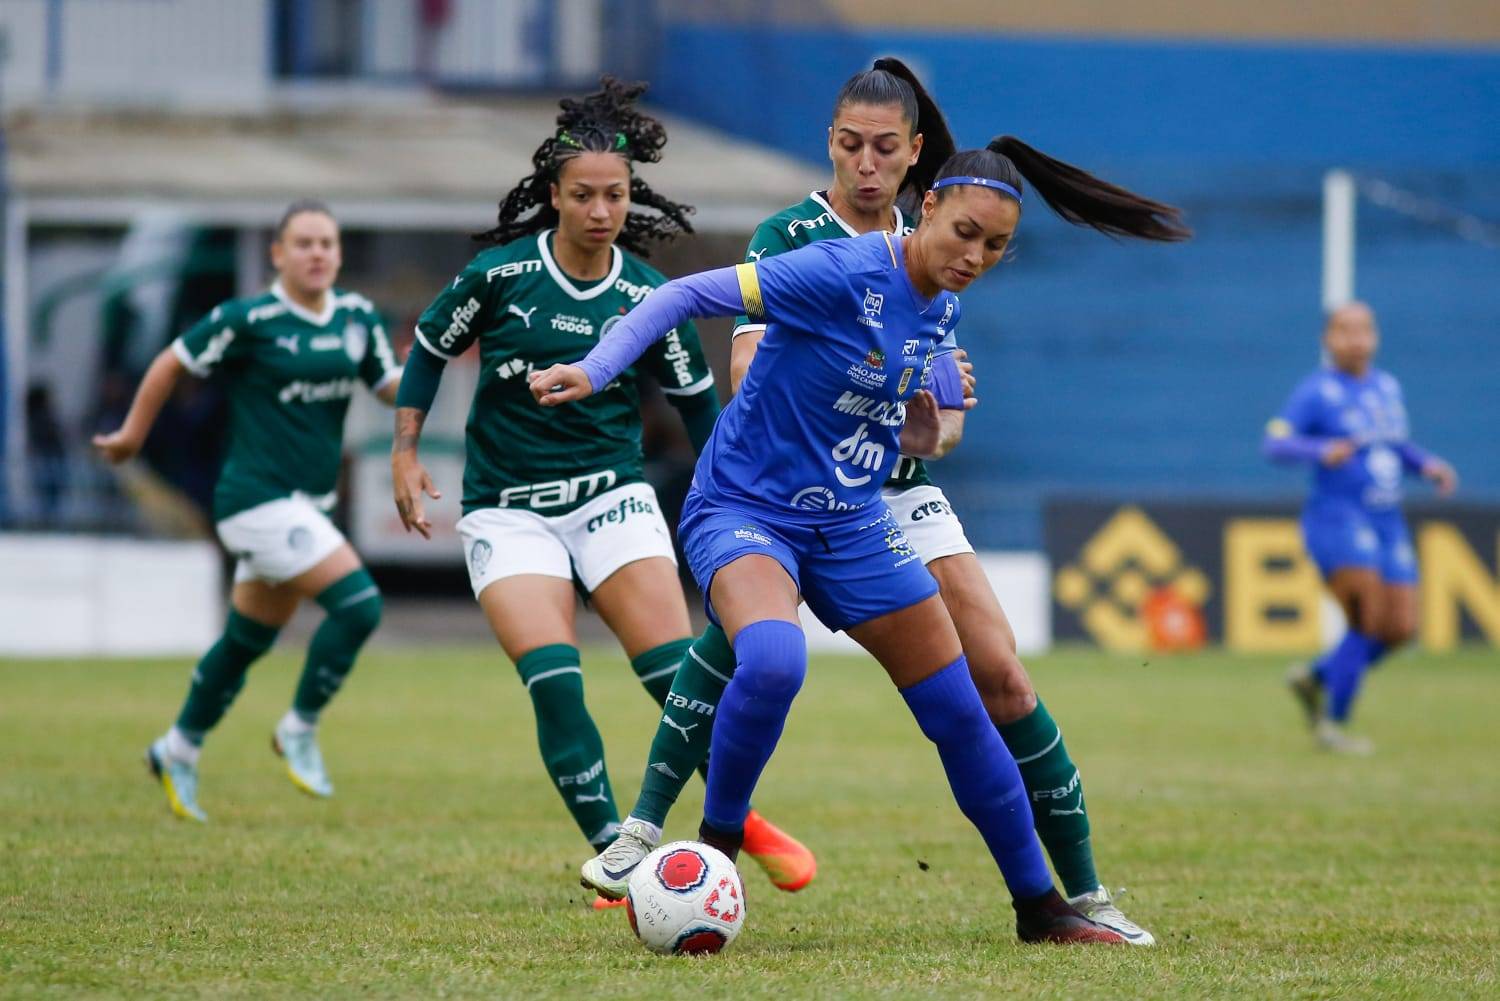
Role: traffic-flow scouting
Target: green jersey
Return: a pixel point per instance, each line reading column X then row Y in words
column 809, row 221
column 290, row 374
column 527, row 315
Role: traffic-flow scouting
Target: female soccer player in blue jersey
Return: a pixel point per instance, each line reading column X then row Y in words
column 786, row 503
column 886, row 142
column 554, row 499
column 291, row 357
column 1349, row 422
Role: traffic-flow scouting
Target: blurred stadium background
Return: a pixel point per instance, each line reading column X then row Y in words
column 1113, row 466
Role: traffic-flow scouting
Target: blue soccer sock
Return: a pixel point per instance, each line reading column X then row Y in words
column 770, row 662
column 985, row 780
column 1343, row 668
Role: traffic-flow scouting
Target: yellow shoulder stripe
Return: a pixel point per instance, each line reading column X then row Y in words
column 755, row 307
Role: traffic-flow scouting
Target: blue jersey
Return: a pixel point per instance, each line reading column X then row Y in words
column 815, row 427
column 1368, row 410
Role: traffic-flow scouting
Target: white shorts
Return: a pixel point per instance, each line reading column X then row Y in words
column 279, row 539
column 615, row 528
column 927, row 518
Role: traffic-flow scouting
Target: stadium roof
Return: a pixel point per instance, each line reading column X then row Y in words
column 401, row 163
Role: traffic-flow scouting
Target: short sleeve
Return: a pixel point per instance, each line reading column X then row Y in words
column 677, row 362
column 217, row 340
column 378, row 367
column 452, row 322
column 768, row 240
column 798, row 288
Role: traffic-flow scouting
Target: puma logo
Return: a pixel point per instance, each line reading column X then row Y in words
column 756, row 255
column 1077, row 811
column 290, row 343
column 678, row 727
column 525, row 315
column 600, row 797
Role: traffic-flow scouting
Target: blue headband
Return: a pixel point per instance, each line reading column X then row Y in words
column 983, row 182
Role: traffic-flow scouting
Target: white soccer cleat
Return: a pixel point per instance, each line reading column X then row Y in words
column 179, row 778
column 1333, row 737
column 304, row 762
column 608, row 873
column 1099, row 908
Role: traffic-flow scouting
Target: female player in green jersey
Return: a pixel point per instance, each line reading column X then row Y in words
column 291, row 358
column 558, row 498
column 886, row 142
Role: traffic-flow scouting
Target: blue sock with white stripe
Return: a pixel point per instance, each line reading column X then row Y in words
column 1343, row 668
column 982, row 774
column 572, row 751
column 770, row 665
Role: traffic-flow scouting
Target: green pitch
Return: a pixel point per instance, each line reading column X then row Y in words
column 446, row 866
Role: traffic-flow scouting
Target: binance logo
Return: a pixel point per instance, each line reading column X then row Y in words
column 1131, row 589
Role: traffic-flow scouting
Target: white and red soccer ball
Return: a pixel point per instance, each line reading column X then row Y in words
column 686, row 898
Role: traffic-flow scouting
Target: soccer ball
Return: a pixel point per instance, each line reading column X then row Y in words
column 685, row 898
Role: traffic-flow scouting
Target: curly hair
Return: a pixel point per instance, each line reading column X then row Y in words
column 603, row 122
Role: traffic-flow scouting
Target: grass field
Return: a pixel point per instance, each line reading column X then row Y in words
column 446, row 865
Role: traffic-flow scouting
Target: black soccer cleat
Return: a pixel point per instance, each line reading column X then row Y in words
column 1051, row 919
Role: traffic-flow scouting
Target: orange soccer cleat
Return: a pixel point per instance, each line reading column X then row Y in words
column 605, row 904
column 787, row 861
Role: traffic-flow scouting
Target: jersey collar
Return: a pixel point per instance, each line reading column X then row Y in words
column 330, row 303
column 817, row 196
column 617, row 262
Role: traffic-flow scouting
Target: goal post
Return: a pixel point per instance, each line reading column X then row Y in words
column 1338, row 238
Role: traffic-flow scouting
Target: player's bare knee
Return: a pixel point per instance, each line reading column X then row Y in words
column 1003, row 685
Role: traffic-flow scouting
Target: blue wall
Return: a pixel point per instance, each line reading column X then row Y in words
column 1114, row 367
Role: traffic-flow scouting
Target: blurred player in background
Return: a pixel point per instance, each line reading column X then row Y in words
column 887, row 140
column 291, row 358
column 1349, row 422
column 554, row 499
column 786, row 503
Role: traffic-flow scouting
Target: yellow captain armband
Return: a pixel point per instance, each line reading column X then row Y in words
column 1279, row 427
column 755, row 307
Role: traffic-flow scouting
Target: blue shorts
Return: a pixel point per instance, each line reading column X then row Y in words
column 850, row 569
column 1340, row 535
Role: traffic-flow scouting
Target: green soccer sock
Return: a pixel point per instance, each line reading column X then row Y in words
column 658, row 666
column 683, row 735
column 1056, row 794
column 572, row 751
column 220, row 675
column 353, row 604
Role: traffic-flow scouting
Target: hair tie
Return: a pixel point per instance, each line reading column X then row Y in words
column 983, row 182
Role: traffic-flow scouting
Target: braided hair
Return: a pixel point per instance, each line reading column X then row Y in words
column 605, row 121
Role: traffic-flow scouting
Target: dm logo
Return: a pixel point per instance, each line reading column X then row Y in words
column 682, row 871
column 479, row 557
column 873, row 302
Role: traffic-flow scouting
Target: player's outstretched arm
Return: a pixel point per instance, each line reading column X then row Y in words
column 150, row 397
column 708, row 293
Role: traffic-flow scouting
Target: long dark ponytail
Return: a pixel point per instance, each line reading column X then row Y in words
column 890, row 81
column 1074, row 194
column 603, row 122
